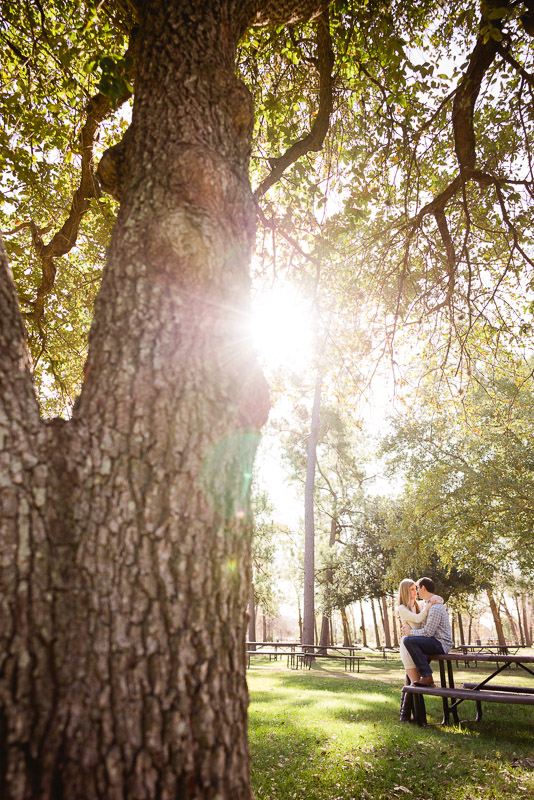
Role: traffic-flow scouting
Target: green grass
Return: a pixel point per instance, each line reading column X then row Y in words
column 326, row 735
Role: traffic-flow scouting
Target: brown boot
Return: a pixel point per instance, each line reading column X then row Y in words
column 426, row 680
column 406, row 707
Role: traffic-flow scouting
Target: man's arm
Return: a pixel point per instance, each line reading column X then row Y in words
column 431, row 625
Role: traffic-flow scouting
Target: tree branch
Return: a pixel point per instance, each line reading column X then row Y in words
column 315, row 138
column 98, row 108
column 464, row 102
column 31, row 224
column 463, row 107
column 506, row 56
column 446, row 238
column 272, row 226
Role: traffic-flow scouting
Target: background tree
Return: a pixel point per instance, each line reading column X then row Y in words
column 467, row 464
column 335, row 490
column 361, row 558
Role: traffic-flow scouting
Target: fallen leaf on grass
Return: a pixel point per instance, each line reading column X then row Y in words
column 402, row 789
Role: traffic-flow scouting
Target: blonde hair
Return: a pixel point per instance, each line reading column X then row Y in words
column 403, row 597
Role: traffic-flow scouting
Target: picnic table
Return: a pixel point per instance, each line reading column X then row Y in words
column 275, row 650
column 281, row 647
column 299, row 655
column 492, row 649
column 482, row 692
column 489, row 648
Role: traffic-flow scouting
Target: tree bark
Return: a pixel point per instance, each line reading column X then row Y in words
column 460, row 628
column 308, row 622
column 324, row 636
column 521, row 631
column 125, row 532
column 511, row 620
column 377, row 634
column 364, row 634
column 347, row 640
column 496, row 618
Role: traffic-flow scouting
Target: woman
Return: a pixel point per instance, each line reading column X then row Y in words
column 410, row 612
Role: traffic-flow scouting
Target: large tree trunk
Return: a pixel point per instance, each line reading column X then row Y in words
column 496, row 618
column 511, row 620
column 324, row 636
column 364, row 633
column 375, row 622
column 460, row 628
column 125, row 531
column 347, row 639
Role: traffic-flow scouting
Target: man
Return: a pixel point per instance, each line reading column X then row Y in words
column 433, row 638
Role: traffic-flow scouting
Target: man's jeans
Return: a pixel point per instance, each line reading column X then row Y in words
column 419, row 647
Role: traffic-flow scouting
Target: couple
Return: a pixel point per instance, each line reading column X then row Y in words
column 426, row 632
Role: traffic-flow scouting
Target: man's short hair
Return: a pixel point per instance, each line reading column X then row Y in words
column 428, row 583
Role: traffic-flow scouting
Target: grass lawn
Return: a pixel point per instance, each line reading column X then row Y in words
column 326, row 734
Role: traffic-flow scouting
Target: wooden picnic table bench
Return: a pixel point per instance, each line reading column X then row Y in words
column 282, row 646
column 479, row 693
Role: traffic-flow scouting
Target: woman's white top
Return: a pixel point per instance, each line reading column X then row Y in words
column 414, row 620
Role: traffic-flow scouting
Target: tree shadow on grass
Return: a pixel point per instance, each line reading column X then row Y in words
column 289, row 761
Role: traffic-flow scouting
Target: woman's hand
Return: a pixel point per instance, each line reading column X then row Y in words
column 436, row 599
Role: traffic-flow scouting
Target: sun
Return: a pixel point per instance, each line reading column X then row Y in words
column 282, row 329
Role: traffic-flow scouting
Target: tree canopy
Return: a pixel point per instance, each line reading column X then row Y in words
column 392, row 143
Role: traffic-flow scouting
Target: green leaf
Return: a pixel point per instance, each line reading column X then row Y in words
column 499, row 13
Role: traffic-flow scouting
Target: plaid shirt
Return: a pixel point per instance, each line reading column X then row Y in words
column 437, row 625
